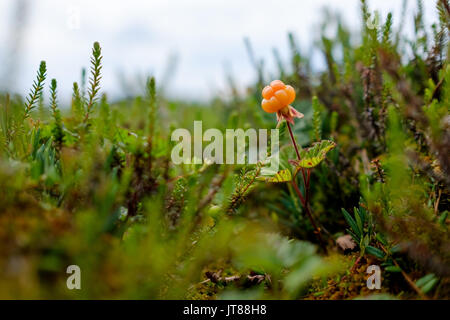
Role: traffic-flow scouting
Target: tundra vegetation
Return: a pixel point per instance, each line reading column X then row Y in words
column 367, row 183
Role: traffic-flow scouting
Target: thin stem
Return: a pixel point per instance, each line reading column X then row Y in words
column 305, row 200
column 297, row 191
column 293, row 140
column 307, row 184
column 296, row 148
column 310, row 217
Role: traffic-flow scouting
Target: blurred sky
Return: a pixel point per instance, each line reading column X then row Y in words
column 199, row 38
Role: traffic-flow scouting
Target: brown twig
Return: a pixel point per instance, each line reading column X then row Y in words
column 436, row 204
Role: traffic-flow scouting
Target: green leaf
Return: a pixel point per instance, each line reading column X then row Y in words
column 430, row 285
column 392, row 269
column 362, row 214
column 314, row 155
column 359, row 222
column 351, row 223
column 425, row 279
column 427, row 282
column 366, row 240
column 443, row 218
column 383, row 241
column 280, row 176
column 375, row 252
column 354, row 236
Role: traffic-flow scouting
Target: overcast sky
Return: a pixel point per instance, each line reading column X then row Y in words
column 203, row 37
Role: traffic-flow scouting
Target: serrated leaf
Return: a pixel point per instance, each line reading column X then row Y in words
column 280, row 176
column 314, row 155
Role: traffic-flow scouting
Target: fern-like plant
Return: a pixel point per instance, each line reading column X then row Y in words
column 94, row 81
column 57, row 130
column 77, row 102
column 36, row 91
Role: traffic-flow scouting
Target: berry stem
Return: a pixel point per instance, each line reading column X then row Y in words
column 305, row 199
column 293, row 140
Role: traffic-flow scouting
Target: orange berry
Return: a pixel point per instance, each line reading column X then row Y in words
column 265, row 105
column 277, row 96
column 277, row 85
column 271, row 105
column 283, row 97
column 276, row 104
column 291, row 94
column 267, row 92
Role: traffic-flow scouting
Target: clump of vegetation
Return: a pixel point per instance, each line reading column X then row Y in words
column 93, row 185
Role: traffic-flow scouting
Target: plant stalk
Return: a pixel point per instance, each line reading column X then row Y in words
column 305, row 200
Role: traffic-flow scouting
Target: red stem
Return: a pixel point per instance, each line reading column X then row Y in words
column 293, row 140
column 305, row 200
column 297, row 190
column 308, row 213
column 296, row 148
column 307, row 184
